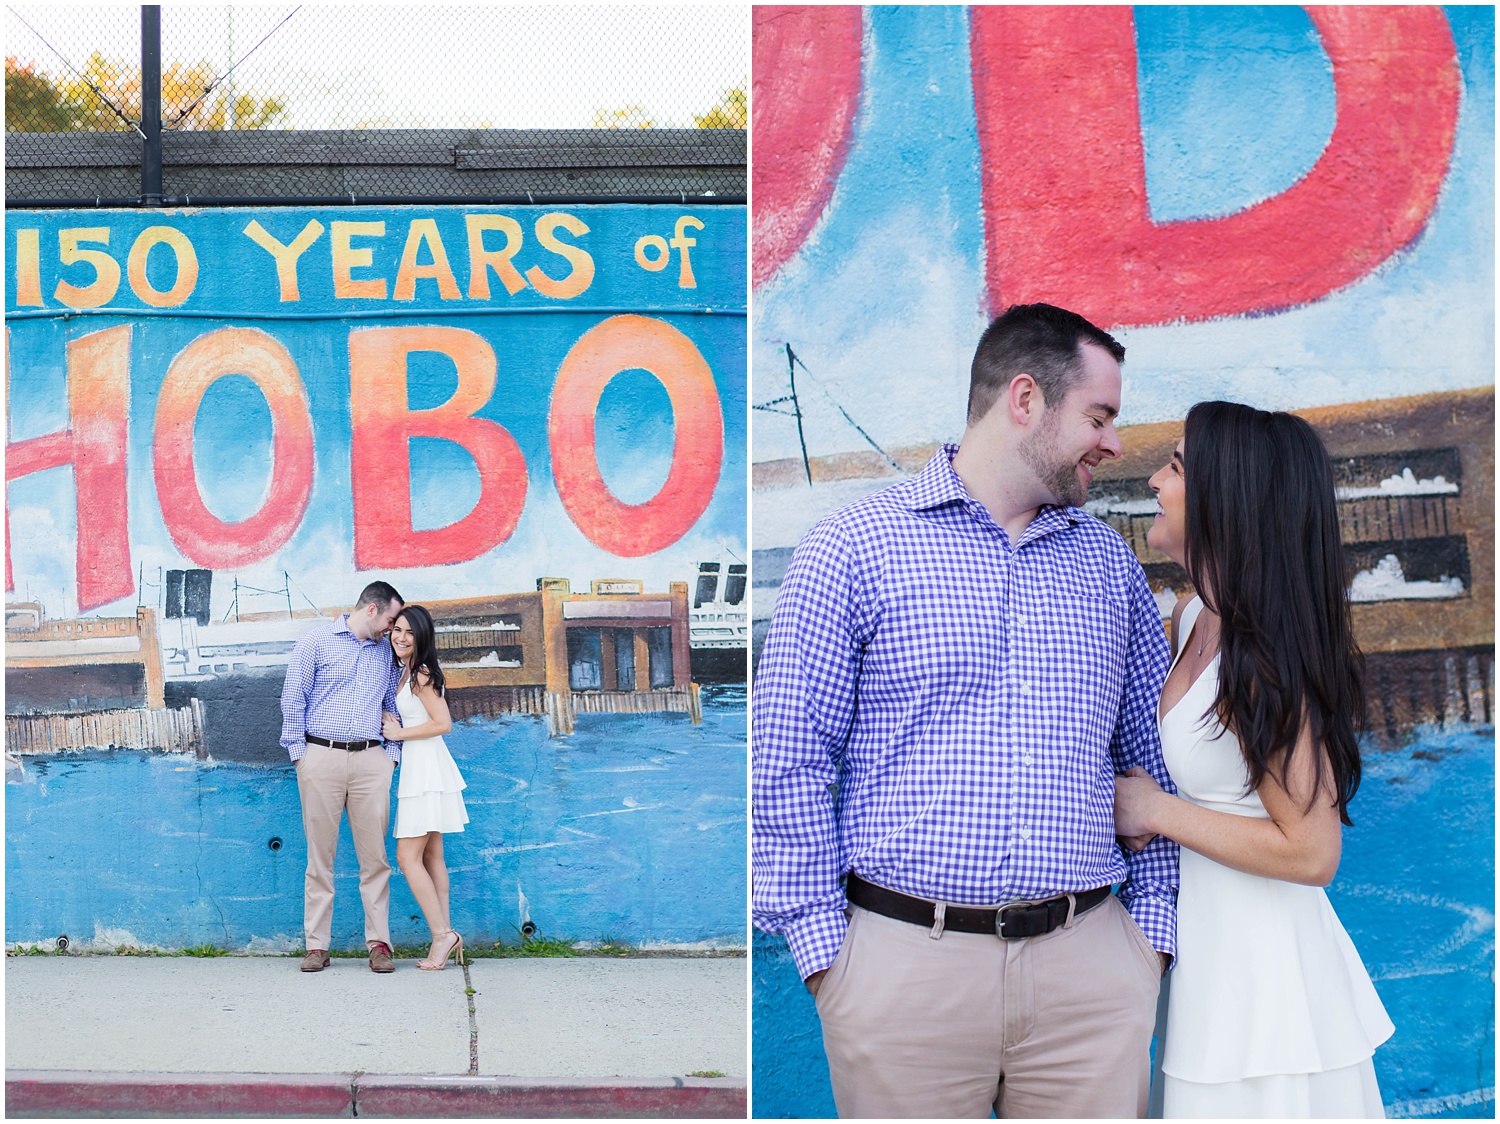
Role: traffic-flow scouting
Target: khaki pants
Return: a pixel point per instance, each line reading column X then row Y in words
column 1051, row 1026
column 329, row 780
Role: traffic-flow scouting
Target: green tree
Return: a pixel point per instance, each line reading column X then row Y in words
column 33, row 104
column 730, row 113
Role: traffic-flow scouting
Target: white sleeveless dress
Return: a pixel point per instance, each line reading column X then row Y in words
column 1270, row 1011
column 429, row 793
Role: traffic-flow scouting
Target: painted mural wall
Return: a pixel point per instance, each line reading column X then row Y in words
column 1289, row 207
column 222, row 424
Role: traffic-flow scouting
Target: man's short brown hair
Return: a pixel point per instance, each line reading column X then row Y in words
column 1040, row 340
column 379, row 594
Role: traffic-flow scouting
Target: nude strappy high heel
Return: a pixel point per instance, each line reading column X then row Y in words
column 457, row 946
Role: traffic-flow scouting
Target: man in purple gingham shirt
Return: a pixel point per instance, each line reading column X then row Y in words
column 957, row 668
column 339, row 679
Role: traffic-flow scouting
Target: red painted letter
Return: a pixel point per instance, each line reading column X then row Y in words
column 94, row 444
column 1066, row 217
column 622, row 343
column 380, row 460
column 198, row 533
column 806, row 93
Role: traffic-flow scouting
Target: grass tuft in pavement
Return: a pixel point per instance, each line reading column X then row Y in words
column 530, row 946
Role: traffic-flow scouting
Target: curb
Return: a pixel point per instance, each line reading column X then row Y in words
column 74, row 1093
column 561, row 1096
column 83, row 1093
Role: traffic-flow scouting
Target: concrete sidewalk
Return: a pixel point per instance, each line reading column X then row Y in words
column 244, row 1035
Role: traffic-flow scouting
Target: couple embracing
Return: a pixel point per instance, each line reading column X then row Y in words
column 969, row 728
column 363, row 694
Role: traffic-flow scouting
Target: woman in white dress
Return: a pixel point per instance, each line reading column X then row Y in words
column 429, row 794
column 1270, row 1011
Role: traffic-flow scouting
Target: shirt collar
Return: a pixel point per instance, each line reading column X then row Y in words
column 937, row 484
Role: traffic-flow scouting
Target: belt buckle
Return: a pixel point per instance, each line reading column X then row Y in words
column 1019, row 905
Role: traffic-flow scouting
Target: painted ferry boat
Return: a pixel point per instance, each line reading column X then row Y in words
column 719, row 623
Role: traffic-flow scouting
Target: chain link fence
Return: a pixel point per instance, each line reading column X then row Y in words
column 322, row 102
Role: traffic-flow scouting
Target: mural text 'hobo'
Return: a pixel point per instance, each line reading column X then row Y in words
column 239, row 417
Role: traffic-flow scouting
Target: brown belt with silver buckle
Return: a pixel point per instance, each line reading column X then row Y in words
column 352, row 747
column 1014, row 921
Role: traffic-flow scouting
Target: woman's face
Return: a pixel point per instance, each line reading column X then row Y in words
column 402, row 640
column 1168, row 532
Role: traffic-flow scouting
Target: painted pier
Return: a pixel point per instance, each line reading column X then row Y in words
column 91, row 683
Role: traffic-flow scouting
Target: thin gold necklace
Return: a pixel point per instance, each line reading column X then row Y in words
column 1201, row 645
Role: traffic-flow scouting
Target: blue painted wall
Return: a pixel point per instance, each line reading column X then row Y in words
column 632, row 827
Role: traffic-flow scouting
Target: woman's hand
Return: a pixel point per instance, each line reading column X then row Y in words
column 390, row 727
column 1135, row 796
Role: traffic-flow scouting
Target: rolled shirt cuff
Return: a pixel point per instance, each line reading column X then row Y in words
column 1157, row 918
column 815, row 940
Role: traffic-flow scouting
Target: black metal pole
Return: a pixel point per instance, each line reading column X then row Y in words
column 151, row 105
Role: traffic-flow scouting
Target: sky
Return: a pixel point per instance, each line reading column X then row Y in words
column 519, row 66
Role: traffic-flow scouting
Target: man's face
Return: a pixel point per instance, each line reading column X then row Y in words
column 384, row 621
column 1077, row 433
column 370, row 623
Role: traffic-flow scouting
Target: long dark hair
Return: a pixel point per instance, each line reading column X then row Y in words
column 423, row 644
column 1264, row 552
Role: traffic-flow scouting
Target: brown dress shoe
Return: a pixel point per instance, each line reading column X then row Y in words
column 380, row 958
column 315, row 960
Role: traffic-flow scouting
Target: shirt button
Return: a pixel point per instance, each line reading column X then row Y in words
column 1020, row 621
column 1026, row 760
column 1025, row 688
column 1025, row 834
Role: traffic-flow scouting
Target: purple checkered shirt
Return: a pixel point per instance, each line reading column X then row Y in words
column 336, row 687
column 946, row 714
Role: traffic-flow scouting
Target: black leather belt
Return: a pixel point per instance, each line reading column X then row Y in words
column 1010, row 922
column 352, row 747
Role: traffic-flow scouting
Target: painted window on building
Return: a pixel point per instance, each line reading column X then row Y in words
column 624, row 642
column 659, row 648
column 585, row 659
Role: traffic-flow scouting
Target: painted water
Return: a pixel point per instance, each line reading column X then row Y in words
column 631, row 829
column 1415, row 890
